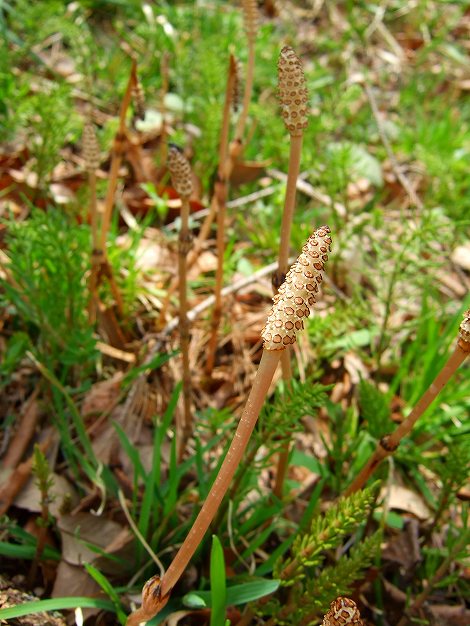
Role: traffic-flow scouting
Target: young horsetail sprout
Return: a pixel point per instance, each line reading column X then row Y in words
column 250, row 21
column 181, row 177
column 223, row 173
column 218, row 204
column 117, row 153
column 389, row 443
column 91, row 156
column 290, row 307
column 138, row 97
column 343, row 612
column 293, row 98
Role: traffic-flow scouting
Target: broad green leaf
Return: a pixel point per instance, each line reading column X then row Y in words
column 237, row 594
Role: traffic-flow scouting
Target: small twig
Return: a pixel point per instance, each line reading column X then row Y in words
column 138, row 534
column 388, row 444
column 25, row 431
column 226, row 291
column 10, row 489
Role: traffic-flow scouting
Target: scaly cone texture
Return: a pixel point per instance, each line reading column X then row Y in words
column 90, row 148
column 250, row 18
column 464, row 330
column 293, row 94
column 297, row 293
column 343, row 611
column 138, row 97
column 180, row 171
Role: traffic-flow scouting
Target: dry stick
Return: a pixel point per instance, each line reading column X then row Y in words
column 293, row 98
column 220, row 195
column 181, row 177
column 311, row 192
column 193, row 314
column 389, row 443
column 290, row 306
column 23, row 435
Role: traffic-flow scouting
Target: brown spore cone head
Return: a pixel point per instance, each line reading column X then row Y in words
column 293, row 94
column 291, row 305
column 138, row 96
column 250, row 18
column 464, row 330
column 90, row 147
column 180, row 172
column 343, row 611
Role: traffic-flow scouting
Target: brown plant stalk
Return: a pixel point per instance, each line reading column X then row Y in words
column 250, row 18
column 91, row 155
column 221, row 174
column 220, row 195
column 181, row 177
column 291, row 305
column 118, row 151
column 293, row 98
column 389, row 443
column 100, row 266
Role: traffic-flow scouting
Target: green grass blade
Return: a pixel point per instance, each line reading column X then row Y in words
column 55, row 604
column 107, row 587
column 15, row 551
column 218, row 584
